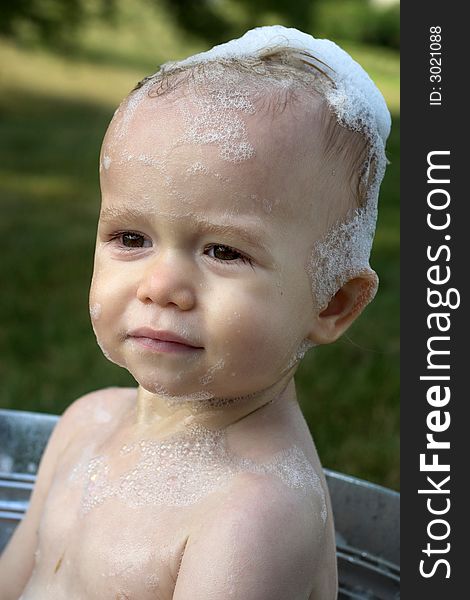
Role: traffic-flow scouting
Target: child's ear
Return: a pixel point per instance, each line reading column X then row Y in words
column 345, row 306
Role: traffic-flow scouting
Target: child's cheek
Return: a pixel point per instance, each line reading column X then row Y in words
column 252, row 334
column 104, row 318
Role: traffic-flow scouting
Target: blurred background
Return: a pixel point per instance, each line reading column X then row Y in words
column 64, row 67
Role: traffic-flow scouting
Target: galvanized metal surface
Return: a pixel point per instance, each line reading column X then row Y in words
column 367, row 523
column 366, row 515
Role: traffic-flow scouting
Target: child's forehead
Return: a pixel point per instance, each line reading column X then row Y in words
column 258, row 163
column 257, row 136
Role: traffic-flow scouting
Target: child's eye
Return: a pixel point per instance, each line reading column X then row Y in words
column 226, row 254
column 131, row 239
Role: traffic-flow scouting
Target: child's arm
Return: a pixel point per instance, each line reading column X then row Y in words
column 17, row 560
column 262, row 546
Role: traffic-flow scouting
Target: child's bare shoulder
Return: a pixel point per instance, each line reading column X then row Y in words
column 78, row 418
column 269, row 508
column 102, row 404
column 110, row 397
column 72, row 423
column 259, row 529
column 18, row 558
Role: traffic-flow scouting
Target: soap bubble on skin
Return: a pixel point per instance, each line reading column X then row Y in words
column 209, row 376
column 342, row 254
column 174, row 401
column 300, row 352
column 128, row 109
column 129, row 555
column 197, row 167
column 211, row 118
column 95, row 311
column 234, row 317
column 267, row 205
column 216, row 126
column 152, row 582
column 107, row 355
column 79, row 468
column 184, row 468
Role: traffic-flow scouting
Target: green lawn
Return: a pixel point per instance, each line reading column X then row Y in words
column 54, row 111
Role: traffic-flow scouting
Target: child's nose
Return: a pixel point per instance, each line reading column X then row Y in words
column 169, row 279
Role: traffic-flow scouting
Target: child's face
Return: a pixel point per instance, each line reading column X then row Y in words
column 176, row 222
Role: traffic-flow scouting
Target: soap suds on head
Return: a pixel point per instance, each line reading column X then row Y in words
column 354, row 95
column 128, row 109
column 342, row 254
column 213, row 119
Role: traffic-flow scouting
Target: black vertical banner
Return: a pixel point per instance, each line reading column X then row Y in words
column 435, row 242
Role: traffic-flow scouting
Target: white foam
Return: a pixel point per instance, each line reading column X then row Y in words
column 214, row 118
column 152, row 582
column 183, row 468
column 131, row 104
column 301, row 351
column 209, row 376
column 95, row 311
column 197, row 167
column 355, row 95
column 342, row 254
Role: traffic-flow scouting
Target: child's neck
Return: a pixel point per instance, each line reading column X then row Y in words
column 161, row 417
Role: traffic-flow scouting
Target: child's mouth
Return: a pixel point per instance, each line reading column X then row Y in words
column 161, row 346
column 162, row 341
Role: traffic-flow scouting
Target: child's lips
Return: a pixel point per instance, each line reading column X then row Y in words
column 162, row 341
column 159, row 346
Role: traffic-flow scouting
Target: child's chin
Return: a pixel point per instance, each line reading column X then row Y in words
column 184, row 391
column 112, row 357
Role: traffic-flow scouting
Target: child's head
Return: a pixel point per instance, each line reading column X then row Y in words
column 239, row 205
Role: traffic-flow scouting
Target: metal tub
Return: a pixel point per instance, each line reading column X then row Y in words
column 366, row 515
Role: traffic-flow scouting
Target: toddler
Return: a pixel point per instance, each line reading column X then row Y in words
column 239, row 201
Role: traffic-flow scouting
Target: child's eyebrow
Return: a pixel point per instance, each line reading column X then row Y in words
column 251, row 235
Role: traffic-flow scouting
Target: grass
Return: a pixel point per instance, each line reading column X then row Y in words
column 54, row 113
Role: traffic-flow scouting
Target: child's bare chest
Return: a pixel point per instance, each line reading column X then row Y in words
column 109, row 553
column 106, row 531
column 112, row 549
column 119, row 512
